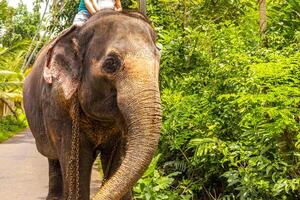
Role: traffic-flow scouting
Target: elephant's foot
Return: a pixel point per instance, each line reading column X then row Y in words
column 55, row 181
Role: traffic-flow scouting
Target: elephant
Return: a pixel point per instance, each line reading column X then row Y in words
column 94, row 90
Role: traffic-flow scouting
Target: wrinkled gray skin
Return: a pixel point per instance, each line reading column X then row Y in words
column 113, row 63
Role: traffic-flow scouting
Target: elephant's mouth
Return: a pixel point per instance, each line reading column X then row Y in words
column 106, row 110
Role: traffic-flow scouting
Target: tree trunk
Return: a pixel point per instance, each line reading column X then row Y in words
column 9, row 107
column 142, row 7
column 184, row 14
column 263, row 21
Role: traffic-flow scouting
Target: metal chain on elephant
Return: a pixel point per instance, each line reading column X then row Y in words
column 73, row 168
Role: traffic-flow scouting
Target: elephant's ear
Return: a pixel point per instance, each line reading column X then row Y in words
column 62, row 67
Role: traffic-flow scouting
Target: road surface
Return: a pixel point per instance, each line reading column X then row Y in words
column 24, row 172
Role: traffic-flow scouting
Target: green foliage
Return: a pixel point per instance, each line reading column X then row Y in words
column 63, row 14
column 284, row 23
column 9, row 126
column 11, row 76
column 6, row 12
column 230, row 107
column 155, row 186
column 19, row 26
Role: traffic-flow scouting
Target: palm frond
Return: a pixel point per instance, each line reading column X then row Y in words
column 12, row 96
column 11, row 51
column 7, row 73
column 11, row 84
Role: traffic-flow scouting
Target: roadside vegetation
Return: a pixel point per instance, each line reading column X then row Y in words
column 17, row 27
column 231, row 98
column 9, row 126
column 230, row 92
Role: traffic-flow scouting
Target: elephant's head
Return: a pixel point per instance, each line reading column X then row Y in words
column 113, row 63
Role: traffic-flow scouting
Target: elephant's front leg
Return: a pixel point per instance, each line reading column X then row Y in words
column 55, row 181
column 111, row 158
column 86, row 160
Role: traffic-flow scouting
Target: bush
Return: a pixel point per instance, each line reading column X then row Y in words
column 9, row 126
column 230, row 106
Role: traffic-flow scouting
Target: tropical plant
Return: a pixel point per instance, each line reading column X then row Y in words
column 11, row 75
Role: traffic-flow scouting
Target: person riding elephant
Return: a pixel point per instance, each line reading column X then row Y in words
column 87, row 8
column 95, row 89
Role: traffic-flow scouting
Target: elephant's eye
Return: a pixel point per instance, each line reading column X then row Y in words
column 112, row 63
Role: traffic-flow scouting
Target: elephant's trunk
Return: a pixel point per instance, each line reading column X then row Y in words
column 142, row 113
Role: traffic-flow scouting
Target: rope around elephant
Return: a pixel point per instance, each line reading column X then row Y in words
column 73, row 167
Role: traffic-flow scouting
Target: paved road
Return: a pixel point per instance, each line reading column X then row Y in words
column 24, row 172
